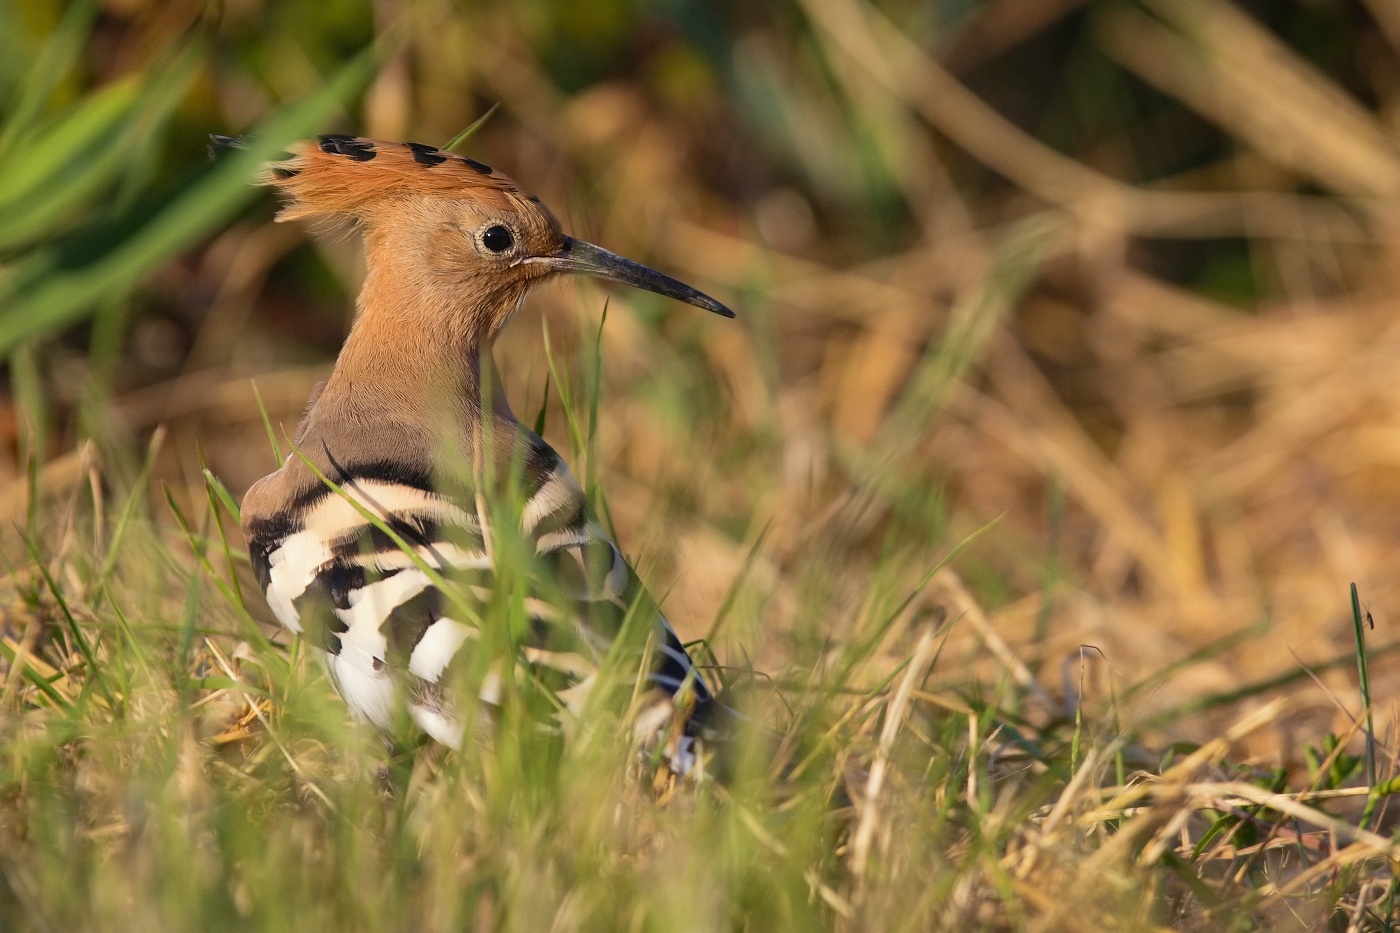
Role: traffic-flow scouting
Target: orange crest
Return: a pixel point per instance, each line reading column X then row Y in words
column 350, row 175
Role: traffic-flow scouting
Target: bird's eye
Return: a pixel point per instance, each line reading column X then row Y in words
column 497, row 238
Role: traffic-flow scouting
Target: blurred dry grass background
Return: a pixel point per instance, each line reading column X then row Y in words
column 1121, row 274
column 1116, row 278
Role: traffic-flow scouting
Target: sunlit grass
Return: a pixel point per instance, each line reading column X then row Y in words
column 168, row 759
column 981, row 505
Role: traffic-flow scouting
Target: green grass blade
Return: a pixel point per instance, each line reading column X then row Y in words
column 199, row 546
column 470, row 131
column 1364, row 680
column 134, row 500
column 544, row 410
column 38, row 300
column 219, row 500
column 595, row 393
column 39, row 681
column 96, row 675
column 58, row 57
column 277, row 458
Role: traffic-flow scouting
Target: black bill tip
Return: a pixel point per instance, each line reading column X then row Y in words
column 578, row 256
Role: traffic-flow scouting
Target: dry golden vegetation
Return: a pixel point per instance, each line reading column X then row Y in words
column 1021, row 502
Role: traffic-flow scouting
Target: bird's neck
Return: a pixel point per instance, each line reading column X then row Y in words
column 413, row 393
column 409, row 341
column 413, row 361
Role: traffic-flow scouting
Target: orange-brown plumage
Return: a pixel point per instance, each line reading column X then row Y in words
column 346, row 175
column 452, row 249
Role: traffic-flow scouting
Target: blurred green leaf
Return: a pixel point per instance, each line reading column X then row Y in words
column 49, row 290
column 64, row 163
column 59, row 55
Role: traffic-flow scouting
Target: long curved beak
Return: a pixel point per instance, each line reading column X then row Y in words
column 578, row 256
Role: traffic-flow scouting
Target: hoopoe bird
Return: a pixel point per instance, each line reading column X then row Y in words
column 369, row 567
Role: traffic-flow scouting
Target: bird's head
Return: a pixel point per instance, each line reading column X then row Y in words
column 447, row 230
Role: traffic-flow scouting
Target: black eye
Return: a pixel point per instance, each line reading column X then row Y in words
column 497, row 239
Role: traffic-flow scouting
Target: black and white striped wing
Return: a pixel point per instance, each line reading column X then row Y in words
column 388, row 632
